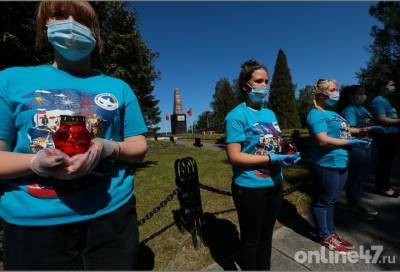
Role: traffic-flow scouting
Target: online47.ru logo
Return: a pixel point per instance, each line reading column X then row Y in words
column 372, row 255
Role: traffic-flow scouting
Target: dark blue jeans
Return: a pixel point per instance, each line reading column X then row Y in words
column 328, row 183
column 360, row 162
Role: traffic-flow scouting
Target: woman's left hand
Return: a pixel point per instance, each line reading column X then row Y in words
column 83, row 164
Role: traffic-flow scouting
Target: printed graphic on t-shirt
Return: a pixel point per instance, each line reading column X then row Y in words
column 344, row 131
column 269, row 142
column 99, row 111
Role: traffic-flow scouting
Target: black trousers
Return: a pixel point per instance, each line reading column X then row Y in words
column 108, row 242
column 257, row 210
column 388, row 146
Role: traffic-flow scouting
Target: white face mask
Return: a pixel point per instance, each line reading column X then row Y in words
column 333, row 99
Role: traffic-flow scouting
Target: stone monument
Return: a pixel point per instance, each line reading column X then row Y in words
column 178, row 118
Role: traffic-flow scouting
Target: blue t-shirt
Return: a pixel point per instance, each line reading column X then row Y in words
column 381, row 106
column 335, row 126
column 357, row 116
column 31, row 101
column 258, row 133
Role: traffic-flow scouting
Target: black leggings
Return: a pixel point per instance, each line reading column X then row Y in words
column 108, row 242
column 388, row 146
column 257, row 210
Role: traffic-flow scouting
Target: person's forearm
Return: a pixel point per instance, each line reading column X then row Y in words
column 356, row 131
column 132, row 152
column 248, row 160
column 389, row 121
column 330, row 142
column 13, row 165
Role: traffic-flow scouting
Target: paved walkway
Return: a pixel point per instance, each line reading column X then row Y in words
column 384, row 232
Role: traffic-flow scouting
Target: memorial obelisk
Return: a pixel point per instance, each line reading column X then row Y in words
column 178, row 118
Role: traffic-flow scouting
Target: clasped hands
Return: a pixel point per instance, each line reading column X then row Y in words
column 55, row 163
column 284, row 160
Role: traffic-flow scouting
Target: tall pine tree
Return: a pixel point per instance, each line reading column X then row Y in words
column 224, row 100
column 282, row 99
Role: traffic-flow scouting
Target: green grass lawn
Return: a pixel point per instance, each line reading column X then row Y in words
column 155, row 179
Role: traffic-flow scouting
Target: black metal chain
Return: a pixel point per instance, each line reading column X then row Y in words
column 154, row 235
column 293, row 188
column 157, row 209
column 215, row 190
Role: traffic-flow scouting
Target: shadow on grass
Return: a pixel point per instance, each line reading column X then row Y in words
column 222, row 239
column 140, row 166
column 290, row 218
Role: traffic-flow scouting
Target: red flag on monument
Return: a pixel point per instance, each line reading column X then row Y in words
column 167, row 116
column 189, row 112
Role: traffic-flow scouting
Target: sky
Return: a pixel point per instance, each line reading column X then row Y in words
column 200, row 43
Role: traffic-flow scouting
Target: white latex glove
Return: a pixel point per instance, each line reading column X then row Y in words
column 108, row 147
column 45, row 161
column 82, row 164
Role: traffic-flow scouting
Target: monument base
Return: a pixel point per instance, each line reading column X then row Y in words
column 178, row 123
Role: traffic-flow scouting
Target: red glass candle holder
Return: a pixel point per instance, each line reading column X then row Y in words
column 72, row 137
column 287, row 146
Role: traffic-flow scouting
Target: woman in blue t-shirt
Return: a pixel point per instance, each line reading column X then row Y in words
column 57, row 214
column 253, row 138
column 386, row 114
column 350, row 105
column 331, row 137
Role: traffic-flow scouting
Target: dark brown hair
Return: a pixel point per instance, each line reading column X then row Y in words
column 246, row 71
column 82, row 12
column 345, row 96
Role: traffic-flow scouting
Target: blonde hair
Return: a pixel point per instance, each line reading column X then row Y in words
column 82, row 11
column 321, row 88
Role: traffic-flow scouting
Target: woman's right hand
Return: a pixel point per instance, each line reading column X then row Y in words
column 284, row 160
column 354, row 142
column 47, row 160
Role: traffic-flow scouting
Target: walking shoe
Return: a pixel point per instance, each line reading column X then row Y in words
column 332, row 244
column 343, row 242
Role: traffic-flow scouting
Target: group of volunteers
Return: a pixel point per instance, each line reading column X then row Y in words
column 59, row 214
column 343, row 133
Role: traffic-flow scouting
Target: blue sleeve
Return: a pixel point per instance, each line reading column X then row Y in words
column 350, row 115
column 234, row 130
column 377, row 107
column 316, row 122
column 7, row 128
column 133, row 118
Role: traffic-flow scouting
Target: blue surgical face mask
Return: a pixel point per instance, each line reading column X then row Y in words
column 390, row 89
column 258, row 96
column 71, row 39
column 333, row 99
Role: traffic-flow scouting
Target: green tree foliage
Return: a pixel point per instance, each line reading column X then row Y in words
column 17, row 35
column 125, row 54
column 304, row 104
column 282, row 99
column 205, row 122
column 224, row 100
column 385, row 49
